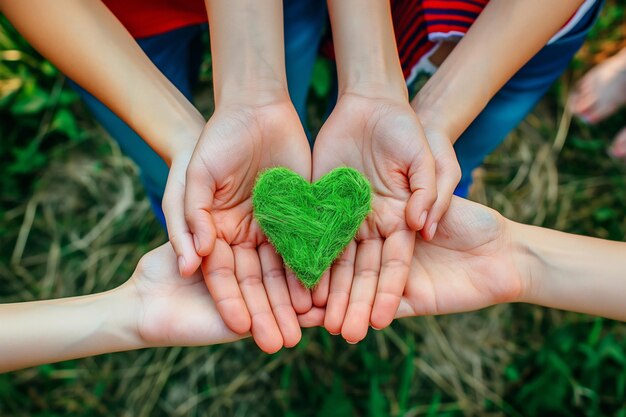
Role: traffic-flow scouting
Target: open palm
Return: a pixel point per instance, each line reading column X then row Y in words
column 175, row 311
column 243, row 273
column 469, row 264
column 384, row 140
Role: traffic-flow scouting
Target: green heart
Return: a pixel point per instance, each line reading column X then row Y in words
column 309, row 225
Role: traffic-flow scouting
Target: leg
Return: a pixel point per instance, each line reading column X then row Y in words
column 516, row 99
column 174, row 53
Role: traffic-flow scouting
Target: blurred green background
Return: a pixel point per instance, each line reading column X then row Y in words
column 74, row 220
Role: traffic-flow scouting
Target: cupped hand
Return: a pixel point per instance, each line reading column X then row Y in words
column 382, row 138
column 470, row 264
column 243, row 273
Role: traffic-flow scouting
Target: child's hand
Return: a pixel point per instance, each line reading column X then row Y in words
column 239, row 265
column 472, row 263
column 382, row 138
column 173, row 311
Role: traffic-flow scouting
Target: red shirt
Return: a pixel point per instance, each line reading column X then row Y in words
column 143, row 18
column 418, row 24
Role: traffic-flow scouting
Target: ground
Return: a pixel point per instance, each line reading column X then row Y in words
column 74, row 220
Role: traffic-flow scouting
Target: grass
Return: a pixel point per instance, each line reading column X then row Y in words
column 74, row 220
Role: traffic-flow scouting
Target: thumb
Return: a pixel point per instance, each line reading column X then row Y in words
column 422, row 183
column 199, row 192
column 179, row 234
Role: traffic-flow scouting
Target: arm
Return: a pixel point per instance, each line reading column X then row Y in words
column 248, row 52
column 254, row 127
column 373, row 129
column 571, row 272
column 474, row 71
column 50, row 331
column 156, row 307
column 365, row 49
column 87, row 43
column 479, row 259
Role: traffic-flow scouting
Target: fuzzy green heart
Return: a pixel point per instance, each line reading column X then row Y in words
column 309, row 225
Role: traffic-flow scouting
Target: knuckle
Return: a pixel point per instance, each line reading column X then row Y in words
column 367, row 273
column 250, row 280
column 218, row 273
column 344, row 262
column 396, row 264
column 274, row 274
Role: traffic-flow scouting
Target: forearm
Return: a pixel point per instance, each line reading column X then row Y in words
column 503, row 38
column 87, row 43
column 247, row 46
column 365, row 48
column 40, row 332
column 571, row 272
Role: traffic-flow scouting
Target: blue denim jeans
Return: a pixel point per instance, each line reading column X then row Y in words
column 177, row 54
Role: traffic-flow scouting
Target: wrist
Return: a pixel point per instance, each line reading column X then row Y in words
column 527, row 260
column 245, row 92
column 257, row 93
column 430, row 108
column 121, row 311
column 379, row 88
column 183, row 134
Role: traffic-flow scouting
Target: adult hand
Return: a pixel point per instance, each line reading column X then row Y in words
column 382, row 138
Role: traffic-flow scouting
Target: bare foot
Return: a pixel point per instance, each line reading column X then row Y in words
column 618, row 148
column 602, row 90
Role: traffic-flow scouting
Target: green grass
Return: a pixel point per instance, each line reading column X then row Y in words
column 74, row 220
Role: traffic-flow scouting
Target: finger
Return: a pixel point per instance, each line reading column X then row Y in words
column 275, row 284
column 448, row 177
column 300, row 296
column 366, row 272
column 218, row 270
column 312, row 318
column 177, row 230
column 423, row 190
column 320, row 292
column 394, row 272
column 264, row 329
column 199, row 192
column 341, row 276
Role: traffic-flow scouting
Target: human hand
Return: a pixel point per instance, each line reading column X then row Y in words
column 382, row 138
column 242, row 271
column 172, row 311
column 471, row 263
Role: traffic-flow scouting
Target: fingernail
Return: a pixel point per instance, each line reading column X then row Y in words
column 196, row 243
column 351, row 343
column 423, row 219
column 181, row 264
column 333, row 334
column 432, row 230
column 375, row 328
